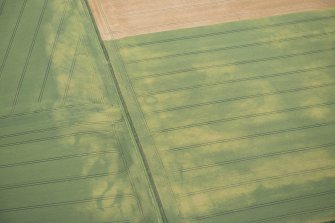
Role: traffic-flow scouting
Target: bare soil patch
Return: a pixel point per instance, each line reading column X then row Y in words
column 121, row 18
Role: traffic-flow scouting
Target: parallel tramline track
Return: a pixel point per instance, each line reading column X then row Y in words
column 247, row 116
column 9, row 46
column 251, row 136
column 327, row 146
column 247, row 45
column 239, row 98
column 243, row 62
column 237, row 80
column 53, row 50
column 30, row 51
column 258, row 180
column 253, row 28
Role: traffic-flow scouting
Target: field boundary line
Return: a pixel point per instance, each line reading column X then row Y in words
column 142, row 116
column 140, row 111
column 130, row 123
column 228, row 31
column 190, row 106
column 257, row 180
column 152, row 142
column 242, row 62
column 127, row 170
column 234, row 118
column 253, row 157
column 247, row 45
column 251, row 136
column 85, row 13
column 9, row 46
column 293, row 72
column 30, row 51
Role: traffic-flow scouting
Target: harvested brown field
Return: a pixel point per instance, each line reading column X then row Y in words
column 121, row 18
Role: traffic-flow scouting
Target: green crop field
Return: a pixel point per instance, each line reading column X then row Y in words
column 239, row 117
column 66, row 154
column 230, row 123
column 49, row 56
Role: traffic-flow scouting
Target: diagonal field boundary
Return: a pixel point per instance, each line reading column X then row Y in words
column 129, row 120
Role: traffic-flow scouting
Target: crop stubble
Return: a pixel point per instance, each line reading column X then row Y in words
column 119, row 18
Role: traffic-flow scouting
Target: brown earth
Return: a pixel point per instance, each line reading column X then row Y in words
column 121, row 18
